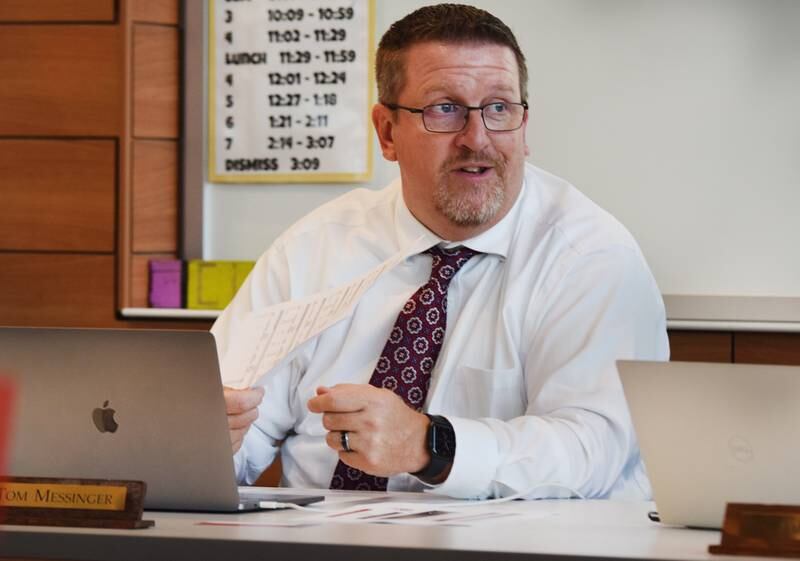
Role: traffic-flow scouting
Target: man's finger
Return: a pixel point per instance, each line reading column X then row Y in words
column 239, row 401
column 343, row 421
column 242, row 420
column 237, row 437
column 342, row 398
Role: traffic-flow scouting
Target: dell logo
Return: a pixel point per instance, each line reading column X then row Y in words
column 104, row 418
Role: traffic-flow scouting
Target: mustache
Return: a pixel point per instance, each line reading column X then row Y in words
column 466, row 157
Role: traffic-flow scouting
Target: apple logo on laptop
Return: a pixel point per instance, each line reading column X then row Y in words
column 104, row 418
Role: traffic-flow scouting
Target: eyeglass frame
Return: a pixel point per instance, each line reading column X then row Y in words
column 421, row 112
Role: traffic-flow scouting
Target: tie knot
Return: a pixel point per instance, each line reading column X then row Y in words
column 447, row 262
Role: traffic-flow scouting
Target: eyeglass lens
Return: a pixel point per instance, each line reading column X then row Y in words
column 452, row 117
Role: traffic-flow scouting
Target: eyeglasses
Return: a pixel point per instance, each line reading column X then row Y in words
column 498, row 116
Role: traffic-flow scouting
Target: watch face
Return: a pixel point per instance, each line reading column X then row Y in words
column 444, row 441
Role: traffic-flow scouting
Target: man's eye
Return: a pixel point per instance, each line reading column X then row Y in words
column 445, row 108
column 497, row 107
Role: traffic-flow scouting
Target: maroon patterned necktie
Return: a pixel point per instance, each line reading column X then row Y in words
column 408, row 358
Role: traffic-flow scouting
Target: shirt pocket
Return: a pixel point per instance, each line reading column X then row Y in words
column 497, row 393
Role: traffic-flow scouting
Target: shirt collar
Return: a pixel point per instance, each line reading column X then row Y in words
column 412, row 235
column 497, row 239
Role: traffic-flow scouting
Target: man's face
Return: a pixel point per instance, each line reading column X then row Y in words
column 458, row 184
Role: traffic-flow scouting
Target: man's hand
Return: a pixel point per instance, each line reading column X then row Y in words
column 386, row 436
column 242, row 409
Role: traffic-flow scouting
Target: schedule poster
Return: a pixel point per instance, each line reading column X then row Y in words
column 290, row 88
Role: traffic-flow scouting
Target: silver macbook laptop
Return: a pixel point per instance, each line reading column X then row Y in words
column 124, row 404
column 711, row 434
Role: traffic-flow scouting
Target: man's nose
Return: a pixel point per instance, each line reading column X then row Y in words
column 474, row 135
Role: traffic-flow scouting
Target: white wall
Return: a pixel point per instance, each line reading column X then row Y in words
column 679, row 116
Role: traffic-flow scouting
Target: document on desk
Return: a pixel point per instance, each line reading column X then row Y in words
column 271, row 334
column 412, row 515
column 388, row 512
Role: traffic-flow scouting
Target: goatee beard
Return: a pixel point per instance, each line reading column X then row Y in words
column 458, row 202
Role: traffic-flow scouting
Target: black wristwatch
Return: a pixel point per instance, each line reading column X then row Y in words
column 441, row 444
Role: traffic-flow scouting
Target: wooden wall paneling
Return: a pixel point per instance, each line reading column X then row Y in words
column 156, row 81
column 156, row 11
column 94, row 11
column 125, row 190
column 149, row 213
column 702, row 346
column 57, row 194
column 155, row 196
column 56, row 289
column 767, row 348
column 60, row 80
column 140, row 281
column 76, row 81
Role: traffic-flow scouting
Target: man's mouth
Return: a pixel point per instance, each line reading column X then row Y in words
column 474, row 170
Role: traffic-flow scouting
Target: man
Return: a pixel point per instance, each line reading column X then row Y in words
column 485, row 367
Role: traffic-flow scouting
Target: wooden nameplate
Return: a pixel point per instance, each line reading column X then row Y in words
column 88, row 503
column 757, row 529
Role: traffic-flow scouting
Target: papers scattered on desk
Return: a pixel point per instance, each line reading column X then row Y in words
column 270, row 334
column 389, row 512
column 414, row 515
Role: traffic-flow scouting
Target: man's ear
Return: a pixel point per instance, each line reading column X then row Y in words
column 383, row 121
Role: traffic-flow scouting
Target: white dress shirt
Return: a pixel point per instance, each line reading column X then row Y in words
column 527, row 371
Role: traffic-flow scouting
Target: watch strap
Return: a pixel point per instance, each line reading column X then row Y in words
column 440, row 458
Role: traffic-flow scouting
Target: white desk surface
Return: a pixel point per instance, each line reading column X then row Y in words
column 563, row 529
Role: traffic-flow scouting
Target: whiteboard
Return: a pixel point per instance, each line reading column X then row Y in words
column 680, row 117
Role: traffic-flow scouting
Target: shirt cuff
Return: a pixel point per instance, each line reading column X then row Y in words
column 475, row 463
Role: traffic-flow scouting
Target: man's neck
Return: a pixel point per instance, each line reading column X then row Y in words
column 447, row 230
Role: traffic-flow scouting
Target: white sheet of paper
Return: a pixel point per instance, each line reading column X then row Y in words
column 271, row 334
column 421, row 514
column 404, row 509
